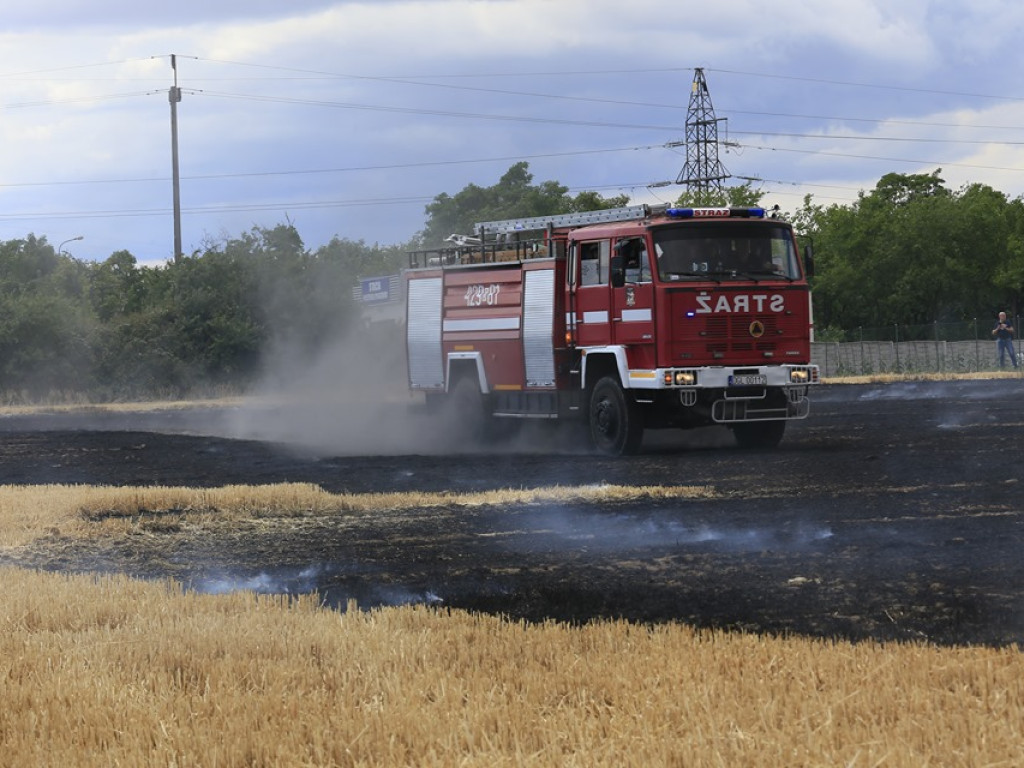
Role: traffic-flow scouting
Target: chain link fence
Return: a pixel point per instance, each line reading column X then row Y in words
column 963, row 347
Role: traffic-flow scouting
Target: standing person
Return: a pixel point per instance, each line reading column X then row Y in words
column 1003, row 333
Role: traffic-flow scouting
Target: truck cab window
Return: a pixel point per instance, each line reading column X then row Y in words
column 594, row 258
column 725, row 251
column 634, row 260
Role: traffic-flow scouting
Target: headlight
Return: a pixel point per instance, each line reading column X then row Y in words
column 680, row 378
column 799, row 376
column 685, row 378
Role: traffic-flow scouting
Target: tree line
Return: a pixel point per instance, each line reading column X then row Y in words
column 211, row 321
column 207, row 322
column 909, row 251
column 912, row 252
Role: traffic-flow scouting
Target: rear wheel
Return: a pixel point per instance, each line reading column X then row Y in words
column 759, row 434
column 616, row 425
column 466, row 410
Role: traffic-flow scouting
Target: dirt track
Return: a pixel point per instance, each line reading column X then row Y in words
column 892, row 513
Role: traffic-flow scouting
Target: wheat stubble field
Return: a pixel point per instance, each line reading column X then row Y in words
column 179, row 592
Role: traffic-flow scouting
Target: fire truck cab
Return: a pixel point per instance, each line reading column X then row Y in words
column 627, row 319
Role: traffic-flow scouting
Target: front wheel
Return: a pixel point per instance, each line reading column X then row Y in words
column 759, row 434
column 616, row 425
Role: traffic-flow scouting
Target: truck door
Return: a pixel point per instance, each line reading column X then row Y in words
column 633, row 303
column 593, row 321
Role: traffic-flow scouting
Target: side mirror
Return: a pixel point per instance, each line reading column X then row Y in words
column 808, row 261
column 618, row 272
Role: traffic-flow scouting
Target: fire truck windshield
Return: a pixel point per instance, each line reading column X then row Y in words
column 725, row 250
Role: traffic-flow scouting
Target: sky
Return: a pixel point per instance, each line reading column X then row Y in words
column 346, row 119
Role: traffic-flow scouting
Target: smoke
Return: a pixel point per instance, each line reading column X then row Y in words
column 351, row 398
column 588, row 529
column 957, row 404
column 975, row 389
column 541, row 532
column 283, row 582
column 334, row 585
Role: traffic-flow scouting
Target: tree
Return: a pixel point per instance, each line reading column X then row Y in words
column 116, row 286
column 47, row 327
column 912, row 252
column 594, row 201
column 1008, row 272
column 741, row 195
column 512, row 197
column 357, row 259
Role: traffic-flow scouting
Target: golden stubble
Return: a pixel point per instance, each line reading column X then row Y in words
column 101, row 670
column 30, row 512
column 105, row 670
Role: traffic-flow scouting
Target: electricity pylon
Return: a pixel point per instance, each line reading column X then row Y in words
column 703, row 173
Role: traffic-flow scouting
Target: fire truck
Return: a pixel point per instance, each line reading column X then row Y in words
column 624, row 320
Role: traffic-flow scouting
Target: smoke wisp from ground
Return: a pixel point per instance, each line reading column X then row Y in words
column 351, row 399
column 625, row 531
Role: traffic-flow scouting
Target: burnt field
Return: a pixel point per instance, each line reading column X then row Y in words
column 892, row 513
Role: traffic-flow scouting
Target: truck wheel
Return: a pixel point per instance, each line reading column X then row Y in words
column 465, row 409
column 759, row 434
column 616, row 426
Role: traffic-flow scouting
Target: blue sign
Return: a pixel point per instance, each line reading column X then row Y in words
column 376, row 289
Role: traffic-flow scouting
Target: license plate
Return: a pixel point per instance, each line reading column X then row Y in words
column 748, row 380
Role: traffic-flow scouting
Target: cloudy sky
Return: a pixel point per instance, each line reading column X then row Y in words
column 347, row 118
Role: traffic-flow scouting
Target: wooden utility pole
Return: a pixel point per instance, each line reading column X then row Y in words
column 174, row 97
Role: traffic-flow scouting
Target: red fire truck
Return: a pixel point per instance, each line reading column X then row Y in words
column 626, row 319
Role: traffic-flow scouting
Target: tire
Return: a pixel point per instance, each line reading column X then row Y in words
column 466, row 412
column 759, row 434
column 471, row 415
column 616, row 425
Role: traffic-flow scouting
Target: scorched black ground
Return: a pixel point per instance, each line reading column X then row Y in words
column 892, row 513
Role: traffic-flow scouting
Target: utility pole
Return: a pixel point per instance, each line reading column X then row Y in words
column 703, row 172
column 174, row 96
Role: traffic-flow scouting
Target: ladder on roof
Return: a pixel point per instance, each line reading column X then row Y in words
column 579, row 219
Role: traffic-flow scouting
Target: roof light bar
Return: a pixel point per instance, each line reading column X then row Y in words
column 716, row 213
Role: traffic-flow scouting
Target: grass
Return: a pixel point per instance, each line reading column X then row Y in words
column 100, row 671
column 891, row 378
column 30, row 512
column 105, row 670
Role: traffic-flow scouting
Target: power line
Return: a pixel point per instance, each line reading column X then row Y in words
column 75, row 100
column 890, row 121
column 300, row 205
column 454, row 75
column 421, row 79
column 296, row 205
column 909, row 139
column 435, row 112
column 532, row 94
column 585, row 123
column 903, row 88
column 637, row 71
column 71, row 68
column 469, row 115
column 216, row 209
column 349, row 169
column 594, row 123
column 937, row 163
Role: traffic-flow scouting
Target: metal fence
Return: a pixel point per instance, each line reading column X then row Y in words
column 934, row 348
